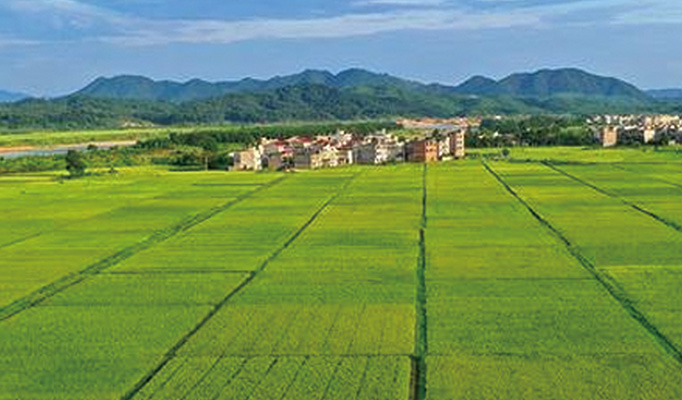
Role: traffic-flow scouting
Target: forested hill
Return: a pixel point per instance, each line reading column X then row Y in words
column 142, row 88
column 548, row 83
column 317, row 95
column 540, row 84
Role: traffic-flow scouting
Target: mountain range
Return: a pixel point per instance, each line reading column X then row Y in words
column 143, row 88
column 666, row 94
column 541, row 84
column 7, row 97
column 320, row 95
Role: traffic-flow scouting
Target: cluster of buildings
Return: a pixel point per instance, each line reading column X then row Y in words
column 613, row 129
column 461, row 123
column 344, row 148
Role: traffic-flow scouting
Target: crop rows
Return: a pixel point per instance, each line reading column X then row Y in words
column 512, row 314
column 635, row 250
column 344, row 289
column 304, row 377
column 67, row 241
column 453, row 281
column 98, row 337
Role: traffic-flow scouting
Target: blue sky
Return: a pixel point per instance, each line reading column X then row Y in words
column 51, row 47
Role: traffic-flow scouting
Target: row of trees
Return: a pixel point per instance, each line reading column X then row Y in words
column 532, row 131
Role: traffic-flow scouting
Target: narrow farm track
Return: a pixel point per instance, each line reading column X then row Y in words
column 418, row 391
column 70, row 280
column 172, row 352
column 613, row 290
column 604, row 192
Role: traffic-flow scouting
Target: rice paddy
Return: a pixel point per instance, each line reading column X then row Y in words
column 534, row 278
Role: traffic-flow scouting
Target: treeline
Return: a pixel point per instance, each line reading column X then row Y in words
column 294, row 103
column 210, row 149
column 93, row 158
column 532, row 131
column 72, row 113
column 249, row 135
column 203, row 149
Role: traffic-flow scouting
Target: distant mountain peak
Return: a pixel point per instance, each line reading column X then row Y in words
column 479, row 85
column 547, row 82
column 8, row 97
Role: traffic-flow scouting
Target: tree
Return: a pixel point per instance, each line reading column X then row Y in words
column 75, row 164
column 209, row 147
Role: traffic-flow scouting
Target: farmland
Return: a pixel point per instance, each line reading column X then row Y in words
column 553, row 275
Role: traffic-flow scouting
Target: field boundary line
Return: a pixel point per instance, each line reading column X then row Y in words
column 263, row 378
column 22, row 239
column 177, row 272
column 63, row 225
column 363, row 378
column 232, row 377
column 605, row 192
column 622, row 168
column 328, row 387
column 296, row 375
column 343, row 355
column 418, row 376
column 611, row 287
column 202, row 378
column 172, row 352
column 61, row 284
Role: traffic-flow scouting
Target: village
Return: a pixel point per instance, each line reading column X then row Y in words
column 433, row 140
column 611, row 130
column 436, row 140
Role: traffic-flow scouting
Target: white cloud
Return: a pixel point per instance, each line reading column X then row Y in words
column 214, row 31
column 73, row 11
column 12, row 42
column 102, row 24
column 399, row 3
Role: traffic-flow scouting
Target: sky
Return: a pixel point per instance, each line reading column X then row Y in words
column 53, row 47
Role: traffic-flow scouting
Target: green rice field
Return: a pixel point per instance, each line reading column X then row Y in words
column 555, row 274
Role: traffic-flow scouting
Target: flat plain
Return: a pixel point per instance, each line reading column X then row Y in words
column 553, row 275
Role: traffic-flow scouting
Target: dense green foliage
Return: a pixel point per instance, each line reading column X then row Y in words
column 319, row 95
column 547, row 83
column 75, row 165
column 94, row 159
column 197, row 147
column 81, row 113
column 666, row 94
column 142, row 88
column 532, row 131
column 541, row 84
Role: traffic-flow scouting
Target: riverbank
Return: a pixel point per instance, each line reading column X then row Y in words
column 26, row 151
